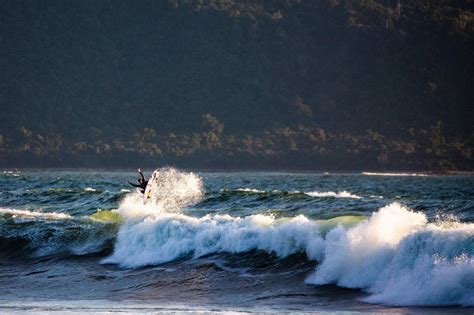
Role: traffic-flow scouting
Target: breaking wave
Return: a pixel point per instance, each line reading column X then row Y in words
column 400, row 259
column 167, row 237
column 396, row 255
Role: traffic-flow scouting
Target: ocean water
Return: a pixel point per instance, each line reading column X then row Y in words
column 84, row 241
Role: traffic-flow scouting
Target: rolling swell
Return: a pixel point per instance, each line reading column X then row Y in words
column 33, row 234
column 294, row 194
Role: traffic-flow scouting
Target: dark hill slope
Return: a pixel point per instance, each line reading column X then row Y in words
column 80, row 69
column 121, row 65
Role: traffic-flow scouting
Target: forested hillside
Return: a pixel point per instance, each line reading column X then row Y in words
column 296, row 84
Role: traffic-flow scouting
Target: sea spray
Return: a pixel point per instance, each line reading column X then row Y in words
column 175, row 190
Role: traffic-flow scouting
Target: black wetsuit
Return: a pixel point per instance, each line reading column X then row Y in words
column 142, row 183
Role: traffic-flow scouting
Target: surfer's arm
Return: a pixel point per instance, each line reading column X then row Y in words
column 141, row 175
column 134, row 185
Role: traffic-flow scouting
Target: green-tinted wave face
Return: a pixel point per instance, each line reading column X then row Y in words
column 107, row 216
column 347, row 221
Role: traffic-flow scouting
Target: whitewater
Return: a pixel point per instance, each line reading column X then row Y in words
column 290, row 234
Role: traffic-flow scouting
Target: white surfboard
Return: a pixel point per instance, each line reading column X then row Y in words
column 150, row 188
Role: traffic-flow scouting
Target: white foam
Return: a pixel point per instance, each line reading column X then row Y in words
column 341, row 194
column 165, row 237
column 401, row 259
column 90, row 189
column 34, row 214
column 132, row 206
column 392, row 174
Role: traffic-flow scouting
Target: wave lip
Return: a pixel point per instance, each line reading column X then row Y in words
column 341, row 194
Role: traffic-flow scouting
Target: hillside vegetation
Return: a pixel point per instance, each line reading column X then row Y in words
column 296, row 84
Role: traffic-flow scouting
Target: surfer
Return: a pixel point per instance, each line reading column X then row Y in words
column 142, row 182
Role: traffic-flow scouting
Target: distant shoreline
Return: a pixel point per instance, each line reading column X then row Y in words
column 394, row 173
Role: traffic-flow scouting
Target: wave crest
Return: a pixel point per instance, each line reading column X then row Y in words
column 167, row 237
column 401, row 259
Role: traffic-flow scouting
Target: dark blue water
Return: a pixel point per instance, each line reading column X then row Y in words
column 83, row 240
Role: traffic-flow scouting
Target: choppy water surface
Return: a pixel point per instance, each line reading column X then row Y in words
column 84, row 241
